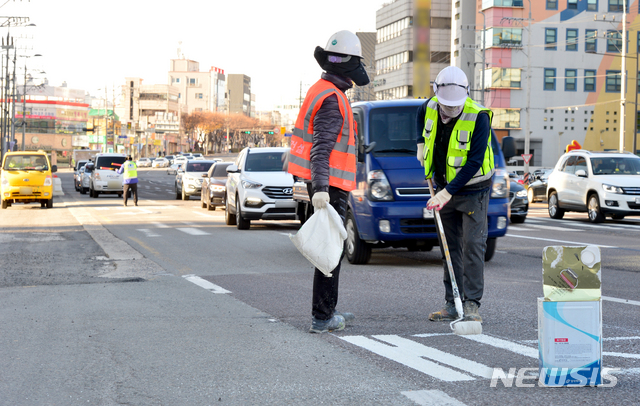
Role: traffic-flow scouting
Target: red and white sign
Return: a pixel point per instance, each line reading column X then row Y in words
column 562, row 340
column 527, row 158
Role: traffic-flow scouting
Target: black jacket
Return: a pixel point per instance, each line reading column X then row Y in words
column 327, row 125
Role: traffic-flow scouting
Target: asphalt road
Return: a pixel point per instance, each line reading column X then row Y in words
column 163, row 304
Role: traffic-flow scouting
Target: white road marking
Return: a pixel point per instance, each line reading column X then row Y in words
column 515, row 228
column 620, row 338
column 192, row 231
column 160, row 225
column 148, row 233
column 552, row 228
column 504, row 344
column 560, row 241
column 205, row 284
column 626, row 301
column 432, row 335
column 620, row 355
column 432, row 398
column 203, row 214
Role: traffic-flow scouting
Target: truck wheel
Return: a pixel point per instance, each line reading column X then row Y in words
column 358, row 251
column 50, row 203
column 4, row 204
column 241, row 223
column 229, row 219
column 491, row 249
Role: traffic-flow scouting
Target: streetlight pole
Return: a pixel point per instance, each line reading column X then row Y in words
column 623, row 77
column 527, row 130
column 484, row 47
column 24, row 101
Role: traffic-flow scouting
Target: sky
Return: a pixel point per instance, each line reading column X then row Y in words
column 91, row 44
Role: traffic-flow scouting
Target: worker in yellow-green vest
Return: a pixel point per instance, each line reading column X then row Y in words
column 454, row 146
column 130, row 182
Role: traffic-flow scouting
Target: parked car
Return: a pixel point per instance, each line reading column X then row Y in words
column 143, row 163
column 258, row 188
column 189, row 178
column 160, row 163
column 537, row 189
column 599, row 183
column 104, row 178
column 214, row 186
column 518, row 202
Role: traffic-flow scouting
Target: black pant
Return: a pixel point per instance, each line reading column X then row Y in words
column 325, row 289
column 134, row 189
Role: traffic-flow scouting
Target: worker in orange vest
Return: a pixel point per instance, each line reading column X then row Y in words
column 323, row 153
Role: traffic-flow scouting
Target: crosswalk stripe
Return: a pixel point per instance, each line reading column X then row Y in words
column 626, row 301
column 160, row 225
column 432, row 398
column 203, row 283
column 504, row 344
column 148, row 233
column 192, row 231
column 561, row 241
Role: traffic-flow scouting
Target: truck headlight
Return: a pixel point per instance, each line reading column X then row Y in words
column 612, row 189
column 379, row 187
column 47, row 181
column 500, row 186
column 5, row 181
column 97, row 176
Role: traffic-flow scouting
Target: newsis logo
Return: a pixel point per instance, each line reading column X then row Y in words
column 526, row 377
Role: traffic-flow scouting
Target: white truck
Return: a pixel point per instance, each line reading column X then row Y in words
column 83, row 155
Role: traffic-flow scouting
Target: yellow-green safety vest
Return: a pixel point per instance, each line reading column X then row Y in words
column 459, row 143
column 130, row 170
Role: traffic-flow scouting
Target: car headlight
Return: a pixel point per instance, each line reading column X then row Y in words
column 248, row 184
column 5, row 181
column 500, row 186
column 522, row 193
column 612, row 189
column 379, row 187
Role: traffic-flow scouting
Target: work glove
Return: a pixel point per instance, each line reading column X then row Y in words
column 420, row 154
column 320, row 200
column 439, row 200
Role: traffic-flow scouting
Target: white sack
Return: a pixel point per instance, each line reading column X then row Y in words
column 321, row 239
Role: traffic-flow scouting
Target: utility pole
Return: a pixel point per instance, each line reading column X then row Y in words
column 527, row 134
column 623, row 76
column 484, row 47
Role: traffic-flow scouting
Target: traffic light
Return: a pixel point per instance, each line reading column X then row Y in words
column 269, row 132
column 247, row 132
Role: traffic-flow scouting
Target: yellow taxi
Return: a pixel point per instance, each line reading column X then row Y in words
column 26, row 178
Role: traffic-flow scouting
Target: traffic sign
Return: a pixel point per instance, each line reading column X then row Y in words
column 526, row 157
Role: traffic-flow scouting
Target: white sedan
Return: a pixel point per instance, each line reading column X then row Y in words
column 143, row 163
column 160, row 163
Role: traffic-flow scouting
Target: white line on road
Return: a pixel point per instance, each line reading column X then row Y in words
column 560, row 241
column 148, row 233
column 205, row 284
column 504, row 344
column 626, row 301
column 160, row 225
column 192, row 231
column 203, row 214
column 432, row 398
column 536, row 226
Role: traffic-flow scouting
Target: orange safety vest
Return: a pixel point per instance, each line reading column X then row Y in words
column 342, row 161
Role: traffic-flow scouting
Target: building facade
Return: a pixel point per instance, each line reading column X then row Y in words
column 198, row 91
column 368, row 44
column 239, row 93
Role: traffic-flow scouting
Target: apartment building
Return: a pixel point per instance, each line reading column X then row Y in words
column 558, row 65
column 198, row 91
column 239, row 93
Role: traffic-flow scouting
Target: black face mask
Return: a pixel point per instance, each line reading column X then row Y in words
column 335, row 63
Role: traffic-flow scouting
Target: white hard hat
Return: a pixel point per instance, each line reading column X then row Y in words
column 344, row 42
column 451, row 86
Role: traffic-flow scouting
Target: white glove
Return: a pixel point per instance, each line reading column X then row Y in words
column 439, row 200
column 320, row 200
column 420, row 154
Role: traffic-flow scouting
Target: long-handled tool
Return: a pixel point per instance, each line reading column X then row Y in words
column 458, row 326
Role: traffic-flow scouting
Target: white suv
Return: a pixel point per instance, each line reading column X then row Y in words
column 104, row 178
column 257, row 188
column 600, row 183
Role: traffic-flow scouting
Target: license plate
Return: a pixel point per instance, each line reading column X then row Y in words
column 26, row 191
column 637, row 200
column 427, row 213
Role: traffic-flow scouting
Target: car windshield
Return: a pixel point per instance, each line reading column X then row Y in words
column 110, row 162
column 393, row 129
column 199, row 166
column 616, row 166
column 263, row 162
column 220, row 170
column 26, row 162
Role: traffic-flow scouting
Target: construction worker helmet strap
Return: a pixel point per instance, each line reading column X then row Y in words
column 344, row 42
column 451, row 86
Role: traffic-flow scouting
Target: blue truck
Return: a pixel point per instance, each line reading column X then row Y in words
column 388, row 207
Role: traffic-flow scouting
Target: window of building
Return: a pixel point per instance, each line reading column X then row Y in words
column 506, row 118
column 572, row 4
column 570, row 80
column 198, row 95
column 441, row 23
column 572, row 39
column 177, row 80
column 393, row 30
column 592, row 5
column 501, row 3
column 552, row 4
column 615, row 5
column 551, row 38
column 192, row 81
column 614, row 41
column 457, row 16
column 549, row 79
column 393, row 62
column 395, row 93
column 614, row 81
column 590, row 42
column 589, row 81
column 503, row 78
column 504, row 37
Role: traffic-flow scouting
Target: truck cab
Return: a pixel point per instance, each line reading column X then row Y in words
column 388, row 206
column 27, row 178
